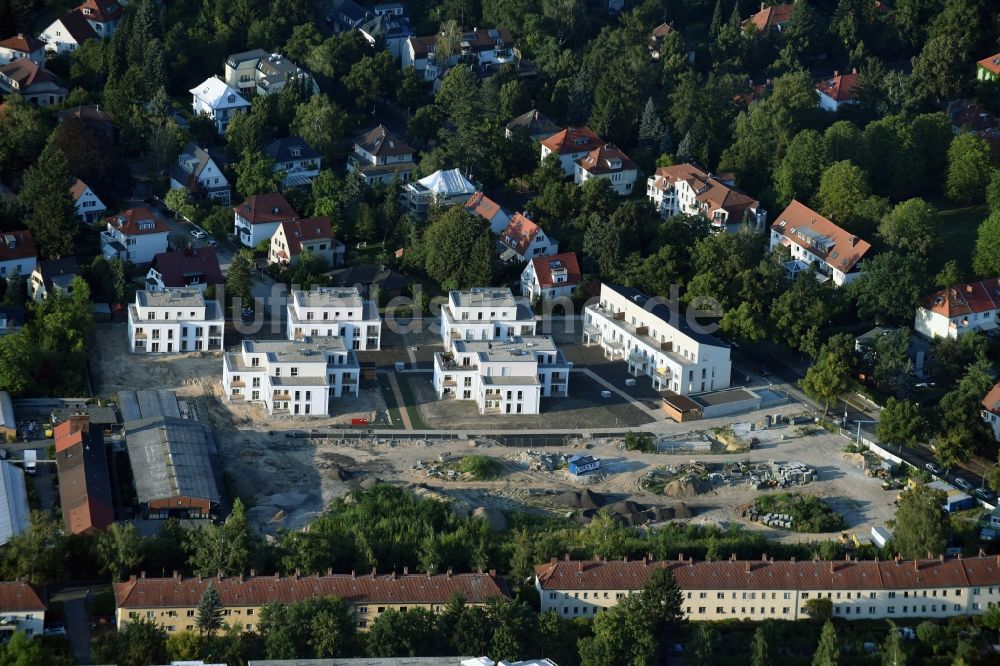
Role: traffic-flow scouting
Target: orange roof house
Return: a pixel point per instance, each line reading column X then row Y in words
column 816, row 241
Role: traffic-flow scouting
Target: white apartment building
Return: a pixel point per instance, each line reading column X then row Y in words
column 337, row 312
column 607, row 162
column 488, row 313
column 960, row 309
column 685, row 188
column 505, row 376
column 656, row 343
column 298, row 378
column 218, row 101
column 769, row 590
column 814, row 241
column 174, row 321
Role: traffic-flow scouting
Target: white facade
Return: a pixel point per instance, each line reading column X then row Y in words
column 11, row 256
column 814, row 241
column 174, row 321
column 89, row 206
column 441, row 188
column 337, row 312
column 22, row 608
column 196, row 171
column 138, row 246
column 937, row 325
column 960, row 309
column 218, row 101
column 489, row 313
column 561, row 278
column 610, row 164
column 502, row 377
column 296, row 378
column 664, row 348
column 991, row 410
column 59, row 39
column 686, row 189
column 11, row 53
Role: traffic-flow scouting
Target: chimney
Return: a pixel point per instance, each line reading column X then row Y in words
column 968, row 288
column 763, row 6
column 747, row 566
column 176, row 574
column 680, row 557
column 832, row 567
column 847, row 557
column 854, row 70
column 277, row 576
column 394, row 574
column 354, row 574
column 793, row 558
column 373, row 573
column 566, row 557
column 253, row 572
column 553, row 560
column 329, row 571
column 241, row 577
column 492, row 573
column 142, row 574
column 763, row 557
column 732, row 557
column 449, row 572
column 836, row 73
column 406, row 570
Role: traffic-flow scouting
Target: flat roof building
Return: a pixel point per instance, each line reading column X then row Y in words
column 485, row 313
column 340, row 312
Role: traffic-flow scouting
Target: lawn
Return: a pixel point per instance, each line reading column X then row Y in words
column 390, row 400
column 958, row 228
column 404, row 387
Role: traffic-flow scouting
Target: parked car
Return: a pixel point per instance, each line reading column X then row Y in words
column 963, row 484
column 933, row 469
column 57, row 630
column 198, row 233
column 985, row 495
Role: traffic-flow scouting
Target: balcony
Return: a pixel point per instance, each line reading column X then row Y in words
column 446, row 362
column 238, row 383
column 281, row 396
column 140, row 335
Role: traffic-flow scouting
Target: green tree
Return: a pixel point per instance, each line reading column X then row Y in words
column 986, row 257
column 239, row 278
column 960, row 408
column 120, row 548
column 828, row 651
column 890, row 286
column 23, row 130
column 372, row 78
column 179, row 201
column 18, row 360
column 209, row 618
column 255, row 174
column 324, row 126
column 623, row 636
column 970, row 167
column 949, row 275
column 140, row 643
column 38, row 554
column 395, row 634
column 557, row 638
column 703, row 645
column 313, row 629
column 844, row 142
column 798, row 175
column 760, row 652
column 458, row 249
column 184, row 646
column 901, row 422
column 22, row 650
column 893, row 653
column 460, row 96
column 802, row 310
column 830, row 376
column 921, row 523
column 246, row 133
column 910, row 227
column 51, row 215
column 842, row 187
column 412, row 90
column 938, row 70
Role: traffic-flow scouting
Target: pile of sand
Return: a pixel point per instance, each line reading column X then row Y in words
column 586, row 499
column 686, row 487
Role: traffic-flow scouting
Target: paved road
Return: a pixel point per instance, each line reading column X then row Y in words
column 77, row 621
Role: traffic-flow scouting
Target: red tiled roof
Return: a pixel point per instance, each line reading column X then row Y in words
column 663, row 30
column 24, row 245
column 770, row 575
column 78, row 188
column 18, row 596
column 481, row 205
column 135, row 222
column 519, row 233
column 992, row 63
column 992, row 400
column 770, row 17
column 543, row 267
column 84, row 484
column 603, row 158
column 478, row 40
column 179, row 268
column 70, row 432
column 840, row 88
column 313, row 228
column 26, row 73
column 573, row 140
column 180, row 592
column 709, row 190
column 799, row 223
column 964, row 299
column 263, row 208
column 102, row 11
column 23, row 43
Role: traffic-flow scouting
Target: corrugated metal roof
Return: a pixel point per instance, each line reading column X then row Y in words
column 14, row 510
column 170, row 457
column 7, row 419
column 137, row 405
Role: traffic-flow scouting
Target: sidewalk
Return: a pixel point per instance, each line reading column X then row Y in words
column 404, row 413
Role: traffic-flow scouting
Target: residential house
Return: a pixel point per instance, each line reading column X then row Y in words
column 196, row 268
column 961, row 309
column 523, row 240
column 241, row 70
column 99, row 122
column 314, row 235
column 102, row 15
column 257, row 218
column 174, row 467
column 551, row 277
column 609, row 163
column 487, row 313
column 837, row 91
column 381, row 157
column 89, row 206
column 481, row 205
column 773, row 18
column 348, row 16
column 54, row 276
column 84, row 482
column 334, row 312
column 505, row 376
column 688, row 189
column 32, row 83
column 291, row 377
column 441, row 188
column 218, row 101
column 21, row 608
column 174, row 321
column 991, row 410
column 484, row 49
column 198, row 172
column 532, row 124
column 67, row 33
column 388, row 29
column 969, row 116
column 421, row 54
column 136, row 235
column 815, row 241
column 988, row 69
column 918, row 351
column 22, row 46
column 14, row 512
column 172, row 603
column 570, row 145
column 656, row 341
column 275, row 71
column 17, row 253
column 764, row 589
column 299, row 161
column 373, row 281
column 11, row 321
column 657, row 37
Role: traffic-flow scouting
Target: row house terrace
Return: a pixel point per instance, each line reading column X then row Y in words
column 816, row 242
column 769, row 590
column 174, row 321
column 488, row 313
column 656, row 342
column 291, row 377
column 505, row 376
column 339, row 312
column 688, row 189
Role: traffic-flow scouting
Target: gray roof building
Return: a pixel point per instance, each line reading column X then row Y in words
column 171, row 461
column 13, row 501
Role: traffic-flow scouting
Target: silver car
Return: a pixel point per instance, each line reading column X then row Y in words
column 962, row 483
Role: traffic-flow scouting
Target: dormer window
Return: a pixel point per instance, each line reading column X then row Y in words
column 231, row 99
column 296, row 151
column 87, row 12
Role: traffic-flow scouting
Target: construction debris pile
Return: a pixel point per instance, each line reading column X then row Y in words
column 768, row 475
column 583, row 506
column 541, row 461
column 779, row 520
column 437, row 469
column 680, row 480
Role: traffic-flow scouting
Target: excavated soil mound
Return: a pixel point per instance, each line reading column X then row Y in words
column 586, row 499
column 687, row 487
